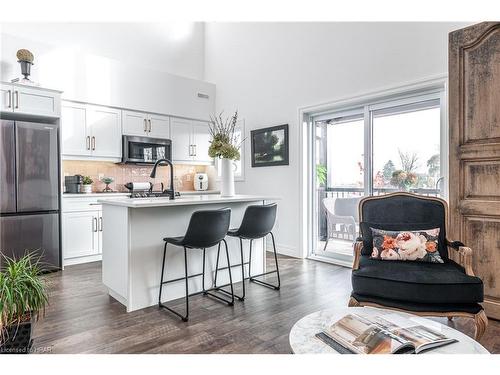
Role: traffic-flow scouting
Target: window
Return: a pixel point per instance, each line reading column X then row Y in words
column 239, row 165
column 373, row 148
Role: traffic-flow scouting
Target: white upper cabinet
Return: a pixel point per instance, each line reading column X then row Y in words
column 190, row 140
column 146, row 125
column 159, row 126
column 201, row 141
column 91, row 131
column 28, row 100
column 181, row 131
column 135, row 123
column 105, row 127
column 75, row 140
column 6, row 98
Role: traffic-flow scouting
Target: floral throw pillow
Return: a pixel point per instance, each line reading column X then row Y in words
column 415, row 245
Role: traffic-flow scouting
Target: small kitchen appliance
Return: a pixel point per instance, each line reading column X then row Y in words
column 200, row 181
column 145, row 150
column 73, row 184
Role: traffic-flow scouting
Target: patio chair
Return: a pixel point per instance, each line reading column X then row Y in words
column 344, row 213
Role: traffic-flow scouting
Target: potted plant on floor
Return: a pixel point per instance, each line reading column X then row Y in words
column 224, row 146
column 23, row 297
column 87, row 184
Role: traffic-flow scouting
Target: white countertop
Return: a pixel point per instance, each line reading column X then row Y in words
column 183, row 201
column 94, row 195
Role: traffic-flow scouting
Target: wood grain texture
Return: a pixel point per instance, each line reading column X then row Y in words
column 474, row 161
column 82, row 318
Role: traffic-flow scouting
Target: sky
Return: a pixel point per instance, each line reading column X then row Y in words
column 417, row 132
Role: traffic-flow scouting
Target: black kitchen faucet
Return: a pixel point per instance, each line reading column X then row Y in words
column 170, row 192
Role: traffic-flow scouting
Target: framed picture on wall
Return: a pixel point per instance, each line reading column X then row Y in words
column 269, row 146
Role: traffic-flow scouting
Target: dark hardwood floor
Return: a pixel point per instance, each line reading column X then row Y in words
column 82, row 318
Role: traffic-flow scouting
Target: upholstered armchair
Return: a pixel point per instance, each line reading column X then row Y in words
column 427, row 289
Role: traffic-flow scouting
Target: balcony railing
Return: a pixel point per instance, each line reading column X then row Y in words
column 352, row 192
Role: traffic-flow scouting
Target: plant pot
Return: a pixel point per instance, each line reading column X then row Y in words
column 17, row 339
column 87, row 189
column 227, row 178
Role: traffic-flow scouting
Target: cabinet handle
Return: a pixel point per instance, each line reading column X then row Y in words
column 94, row 224
column 87, row 142
column 190, row 150
column 9, row 105
column 145, row 126
column 93, row 143
column 100, row 223
column 16, row 93
column 194, row 148
column 149, row 125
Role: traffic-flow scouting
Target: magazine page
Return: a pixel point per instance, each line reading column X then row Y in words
column 417, row 331
column 365, row 336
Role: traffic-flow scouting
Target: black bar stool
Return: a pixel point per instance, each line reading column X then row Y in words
column 206, row 229
column 257, row 222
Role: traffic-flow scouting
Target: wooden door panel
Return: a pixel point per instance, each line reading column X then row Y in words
column 481, row 179
column 474, row 164
column 481, row 77
column 481, row 233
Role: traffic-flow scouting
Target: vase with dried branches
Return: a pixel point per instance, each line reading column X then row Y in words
column 224, row 145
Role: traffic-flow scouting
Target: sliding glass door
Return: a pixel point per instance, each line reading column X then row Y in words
column 374, row 149
column 340, row 181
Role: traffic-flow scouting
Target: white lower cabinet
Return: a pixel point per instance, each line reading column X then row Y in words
column 82, row 228
column 81, row 234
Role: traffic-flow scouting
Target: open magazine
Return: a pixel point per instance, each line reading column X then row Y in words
column 389, row 334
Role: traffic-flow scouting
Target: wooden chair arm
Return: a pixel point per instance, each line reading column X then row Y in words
column 358, row 246
column 464, row 256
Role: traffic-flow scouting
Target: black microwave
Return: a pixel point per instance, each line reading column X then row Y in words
column 145, row 150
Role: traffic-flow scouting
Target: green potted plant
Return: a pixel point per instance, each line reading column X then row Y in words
column 87, row 184
column 224, row 145
column 23, row 297
column 107, row 181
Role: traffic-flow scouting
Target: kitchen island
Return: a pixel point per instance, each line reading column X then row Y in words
column 133, row 246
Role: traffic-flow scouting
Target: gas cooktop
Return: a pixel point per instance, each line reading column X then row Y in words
column 152, row 194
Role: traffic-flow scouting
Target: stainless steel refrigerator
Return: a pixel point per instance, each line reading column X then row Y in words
column 30, row 190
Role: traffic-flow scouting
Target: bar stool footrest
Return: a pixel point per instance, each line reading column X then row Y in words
column 163, row 306
column 207, row 293
column 219, row 289
column 263, row 283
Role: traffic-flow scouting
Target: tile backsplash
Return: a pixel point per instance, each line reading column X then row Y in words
column 123, row 173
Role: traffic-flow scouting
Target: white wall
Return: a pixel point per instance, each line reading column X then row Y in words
column 269, row 70
column 144, row 67
column 171, row 47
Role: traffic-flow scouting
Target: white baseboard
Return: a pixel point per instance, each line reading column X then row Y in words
column 284, row 250
column 81, row 260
